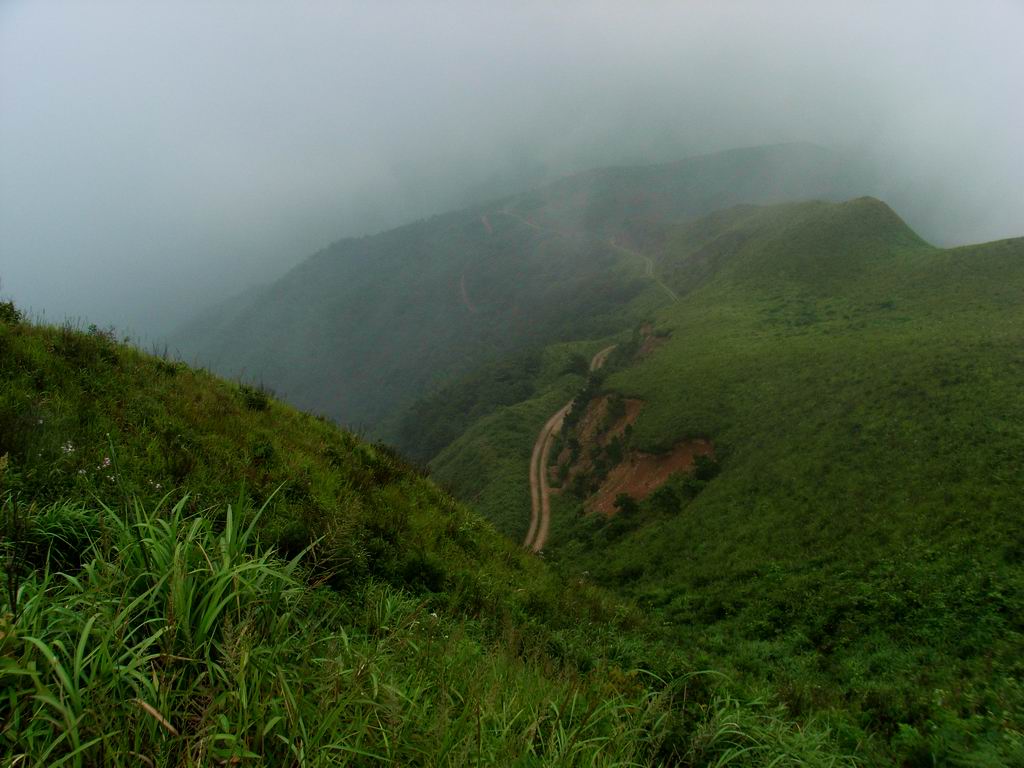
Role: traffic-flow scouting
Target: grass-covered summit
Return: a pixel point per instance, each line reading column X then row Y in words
column 860, row 548
column 195, row 574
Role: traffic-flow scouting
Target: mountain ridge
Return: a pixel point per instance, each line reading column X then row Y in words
column 856, row 541
column 557, row 280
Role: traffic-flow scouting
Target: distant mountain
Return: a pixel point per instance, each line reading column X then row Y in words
column 367, row 326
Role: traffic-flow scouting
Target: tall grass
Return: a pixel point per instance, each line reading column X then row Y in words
column 364, row 618
column 177, row 641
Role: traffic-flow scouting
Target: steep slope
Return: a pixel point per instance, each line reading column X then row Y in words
column 367, row 326
column 148, row 614
column 860, row 546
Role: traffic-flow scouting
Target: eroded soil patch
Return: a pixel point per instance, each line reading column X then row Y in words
column 605, row 421
column 639, row 474
column 649, row 341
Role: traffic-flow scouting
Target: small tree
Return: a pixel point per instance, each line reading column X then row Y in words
column 626, row 505
column 665, row 501
column 9, row 313
column 578, row 364
column 705, row 467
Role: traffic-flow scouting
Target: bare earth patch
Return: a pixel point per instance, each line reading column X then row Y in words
column 640, row 474
column 590, row 434
column 649, row 341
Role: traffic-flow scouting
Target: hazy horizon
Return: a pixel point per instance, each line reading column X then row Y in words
column 157, row 158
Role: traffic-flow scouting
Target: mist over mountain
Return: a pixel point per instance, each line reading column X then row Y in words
column 139, row 184
column 570, row 384
column 364, row 328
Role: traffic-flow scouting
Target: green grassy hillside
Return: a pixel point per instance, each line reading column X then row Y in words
column 365, row 328
column 859, row 550
column 194, row 573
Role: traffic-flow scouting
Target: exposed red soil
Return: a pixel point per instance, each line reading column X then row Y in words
column 642, row 473
column 540, row 492
column 633, row 407
column 589, row 436
column 649, row 344
column 649, row 341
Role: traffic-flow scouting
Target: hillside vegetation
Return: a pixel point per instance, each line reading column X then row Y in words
column 362, row 330
column 856, row 546
column 194, row 573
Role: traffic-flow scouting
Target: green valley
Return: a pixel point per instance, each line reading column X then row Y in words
column 854, row 546
column 195, row 573
column 513, row 384
column 785, row 517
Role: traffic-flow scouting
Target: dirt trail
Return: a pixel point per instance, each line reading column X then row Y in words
column 540, row 493
column 522, row 219
column 612, row 242
column 640, row 474
column 600, row 357
column 648, row 267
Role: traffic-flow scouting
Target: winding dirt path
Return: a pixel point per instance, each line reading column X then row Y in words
column 612, row 242
column 521, row 219
column 648, row 267
column 540, row 493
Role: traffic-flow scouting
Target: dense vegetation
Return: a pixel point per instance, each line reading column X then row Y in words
column 363, row 329
column 436, row 420
column 194, row 573
column 859, row 551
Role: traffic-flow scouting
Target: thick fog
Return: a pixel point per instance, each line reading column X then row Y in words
column 158, row 156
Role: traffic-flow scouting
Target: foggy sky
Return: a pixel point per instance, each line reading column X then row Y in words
column 158, row 156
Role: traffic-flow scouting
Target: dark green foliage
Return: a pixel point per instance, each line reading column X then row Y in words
column 625, row 519
column 435, row 421
column 255, row 398
column 616, row 410
column 626, row 505
column 9, row 313
column 578, row 364
column 665, row 500
column 263, row 452
column 705, row 467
